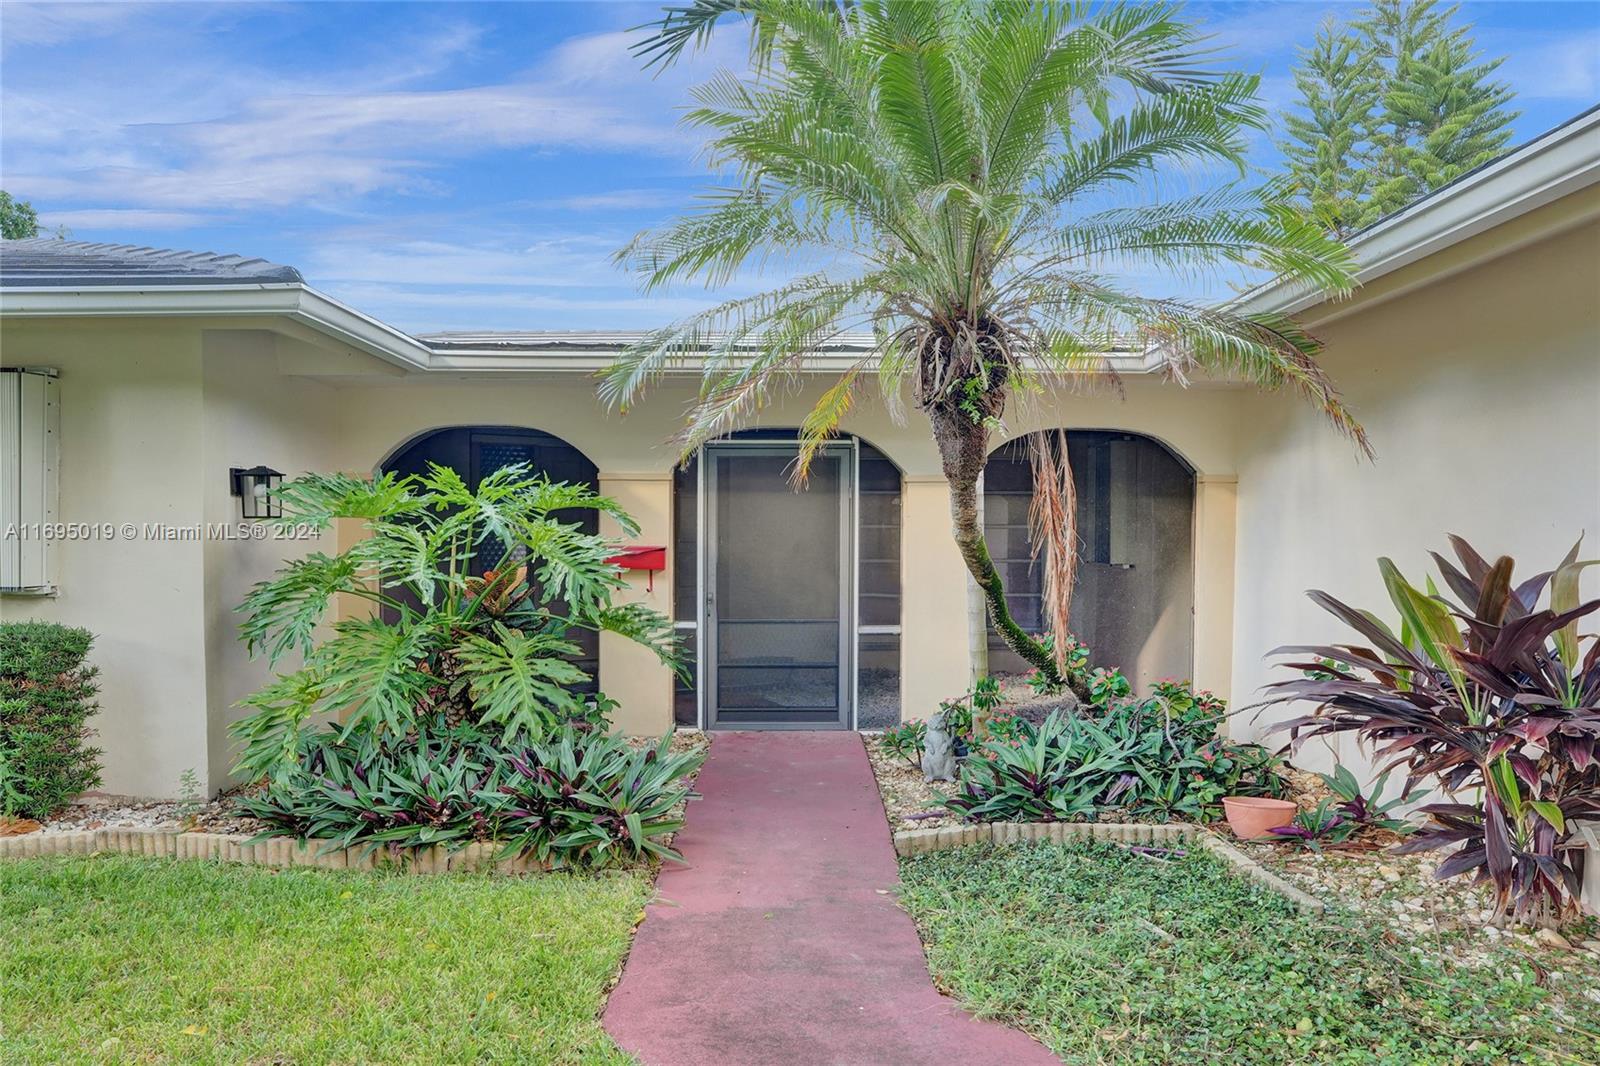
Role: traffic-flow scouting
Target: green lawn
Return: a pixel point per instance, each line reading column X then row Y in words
column 111, row 959
column 1071, row 943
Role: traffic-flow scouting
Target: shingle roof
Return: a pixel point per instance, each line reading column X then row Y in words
column 42, row 261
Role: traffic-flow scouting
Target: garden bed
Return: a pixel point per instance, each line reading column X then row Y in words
column 1400, row 893
column 112, row 959
column 1105, row 955
column 214, row 830
column 908, row 800
column 911, row 803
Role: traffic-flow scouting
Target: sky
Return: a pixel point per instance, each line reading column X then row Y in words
column 474, row 166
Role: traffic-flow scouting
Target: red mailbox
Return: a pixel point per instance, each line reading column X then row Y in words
column 647, row 557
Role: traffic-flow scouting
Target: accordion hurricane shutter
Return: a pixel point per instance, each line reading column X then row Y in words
column 28, row 432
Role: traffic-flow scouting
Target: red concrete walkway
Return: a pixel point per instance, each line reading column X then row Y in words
column 780, row 941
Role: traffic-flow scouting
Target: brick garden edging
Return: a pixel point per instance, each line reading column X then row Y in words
column 918, row 841
column 276, row 852
column 282, row 852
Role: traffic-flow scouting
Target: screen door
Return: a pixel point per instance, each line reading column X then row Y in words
column 778, row 587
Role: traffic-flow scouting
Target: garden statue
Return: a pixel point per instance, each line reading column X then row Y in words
column 939, row 751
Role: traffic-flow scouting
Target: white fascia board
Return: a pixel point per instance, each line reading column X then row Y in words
column 578, row 360
column 290, row 300
column 333, row 319
column 1561, row 163
column 588, row 361
column 363, row 331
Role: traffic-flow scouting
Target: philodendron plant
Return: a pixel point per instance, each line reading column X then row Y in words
column 475, row 593
column 1491, row 695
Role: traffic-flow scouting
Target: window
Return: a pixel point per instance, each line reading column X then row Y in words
column 28, row 438
column 1134, row 597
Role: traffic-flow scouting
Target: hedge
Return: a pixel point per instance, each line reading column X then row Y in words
column 47, row 694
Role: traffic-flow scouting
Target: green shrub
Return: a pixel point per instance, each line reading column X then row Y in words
column 493, row 649
column 1157, row 758
column 581, row 798
column 47, row 694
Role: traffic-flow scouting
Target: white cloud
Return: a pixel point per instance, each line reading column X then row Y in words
column 123, row 218
column 1567, row 68
column 205, row 133
column 59, row 23
column 621, row 200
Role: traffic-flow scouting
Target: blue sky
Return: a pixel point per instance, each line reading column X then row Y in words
column 469, row 165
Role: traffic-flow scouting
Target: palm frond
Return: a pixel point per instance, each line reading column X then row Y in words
column 1199, row 123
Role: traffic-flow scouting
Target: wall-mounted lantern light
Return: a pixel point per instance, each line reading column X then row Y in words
column 256, row 488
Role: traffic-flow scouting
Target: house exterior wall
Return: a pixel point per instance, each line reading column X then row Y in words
column 154, row 412
column 132, row 438
column 252, row 415
column 1480, row 393
column 378, row 414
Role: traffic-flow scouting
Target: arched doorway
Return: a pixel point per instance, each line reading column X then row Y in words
column 1133, row 603
column 864, row 572
column 475, row 452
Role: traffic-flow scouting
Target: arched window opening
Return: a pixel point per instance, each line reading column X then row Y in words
column 475, row 452
column 1133, row 602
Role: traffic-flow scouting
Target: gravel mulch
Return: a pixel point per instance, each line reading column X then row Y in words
column 1401, row 894
column 119, row 812
column 908, row 800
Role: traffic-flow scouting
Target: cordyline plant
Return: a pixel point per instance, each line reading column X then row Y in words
column 969, row 181
column 1491, row 695
column 474, row 595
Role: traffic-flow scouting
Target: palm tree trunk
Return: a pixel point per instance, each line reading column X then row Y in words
column 963, row 447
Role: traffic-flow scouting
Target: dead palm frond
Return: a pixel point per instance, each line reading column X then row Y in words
column 1053, row 531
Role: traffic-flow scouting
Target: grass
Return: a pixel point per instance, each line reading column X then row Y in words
column 113, row 959
column 1109, row 957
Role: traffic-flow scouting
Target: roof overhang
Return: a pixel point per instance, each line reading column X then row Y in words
column 1563, row 161
column 295, row 302
column 551, row 352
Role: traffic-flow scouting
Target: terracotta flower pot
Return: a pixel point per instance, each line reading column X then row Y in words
column 1250, row 817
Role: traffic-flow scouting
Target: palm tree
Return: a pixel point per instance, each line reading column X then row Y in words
column 947, row 175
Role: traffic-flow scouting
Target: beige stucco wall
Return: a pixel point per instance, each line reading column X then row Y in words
column 253, row 415
column 130, row 453
column 629, row 673
column 1481, row 393
column 153, row 414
